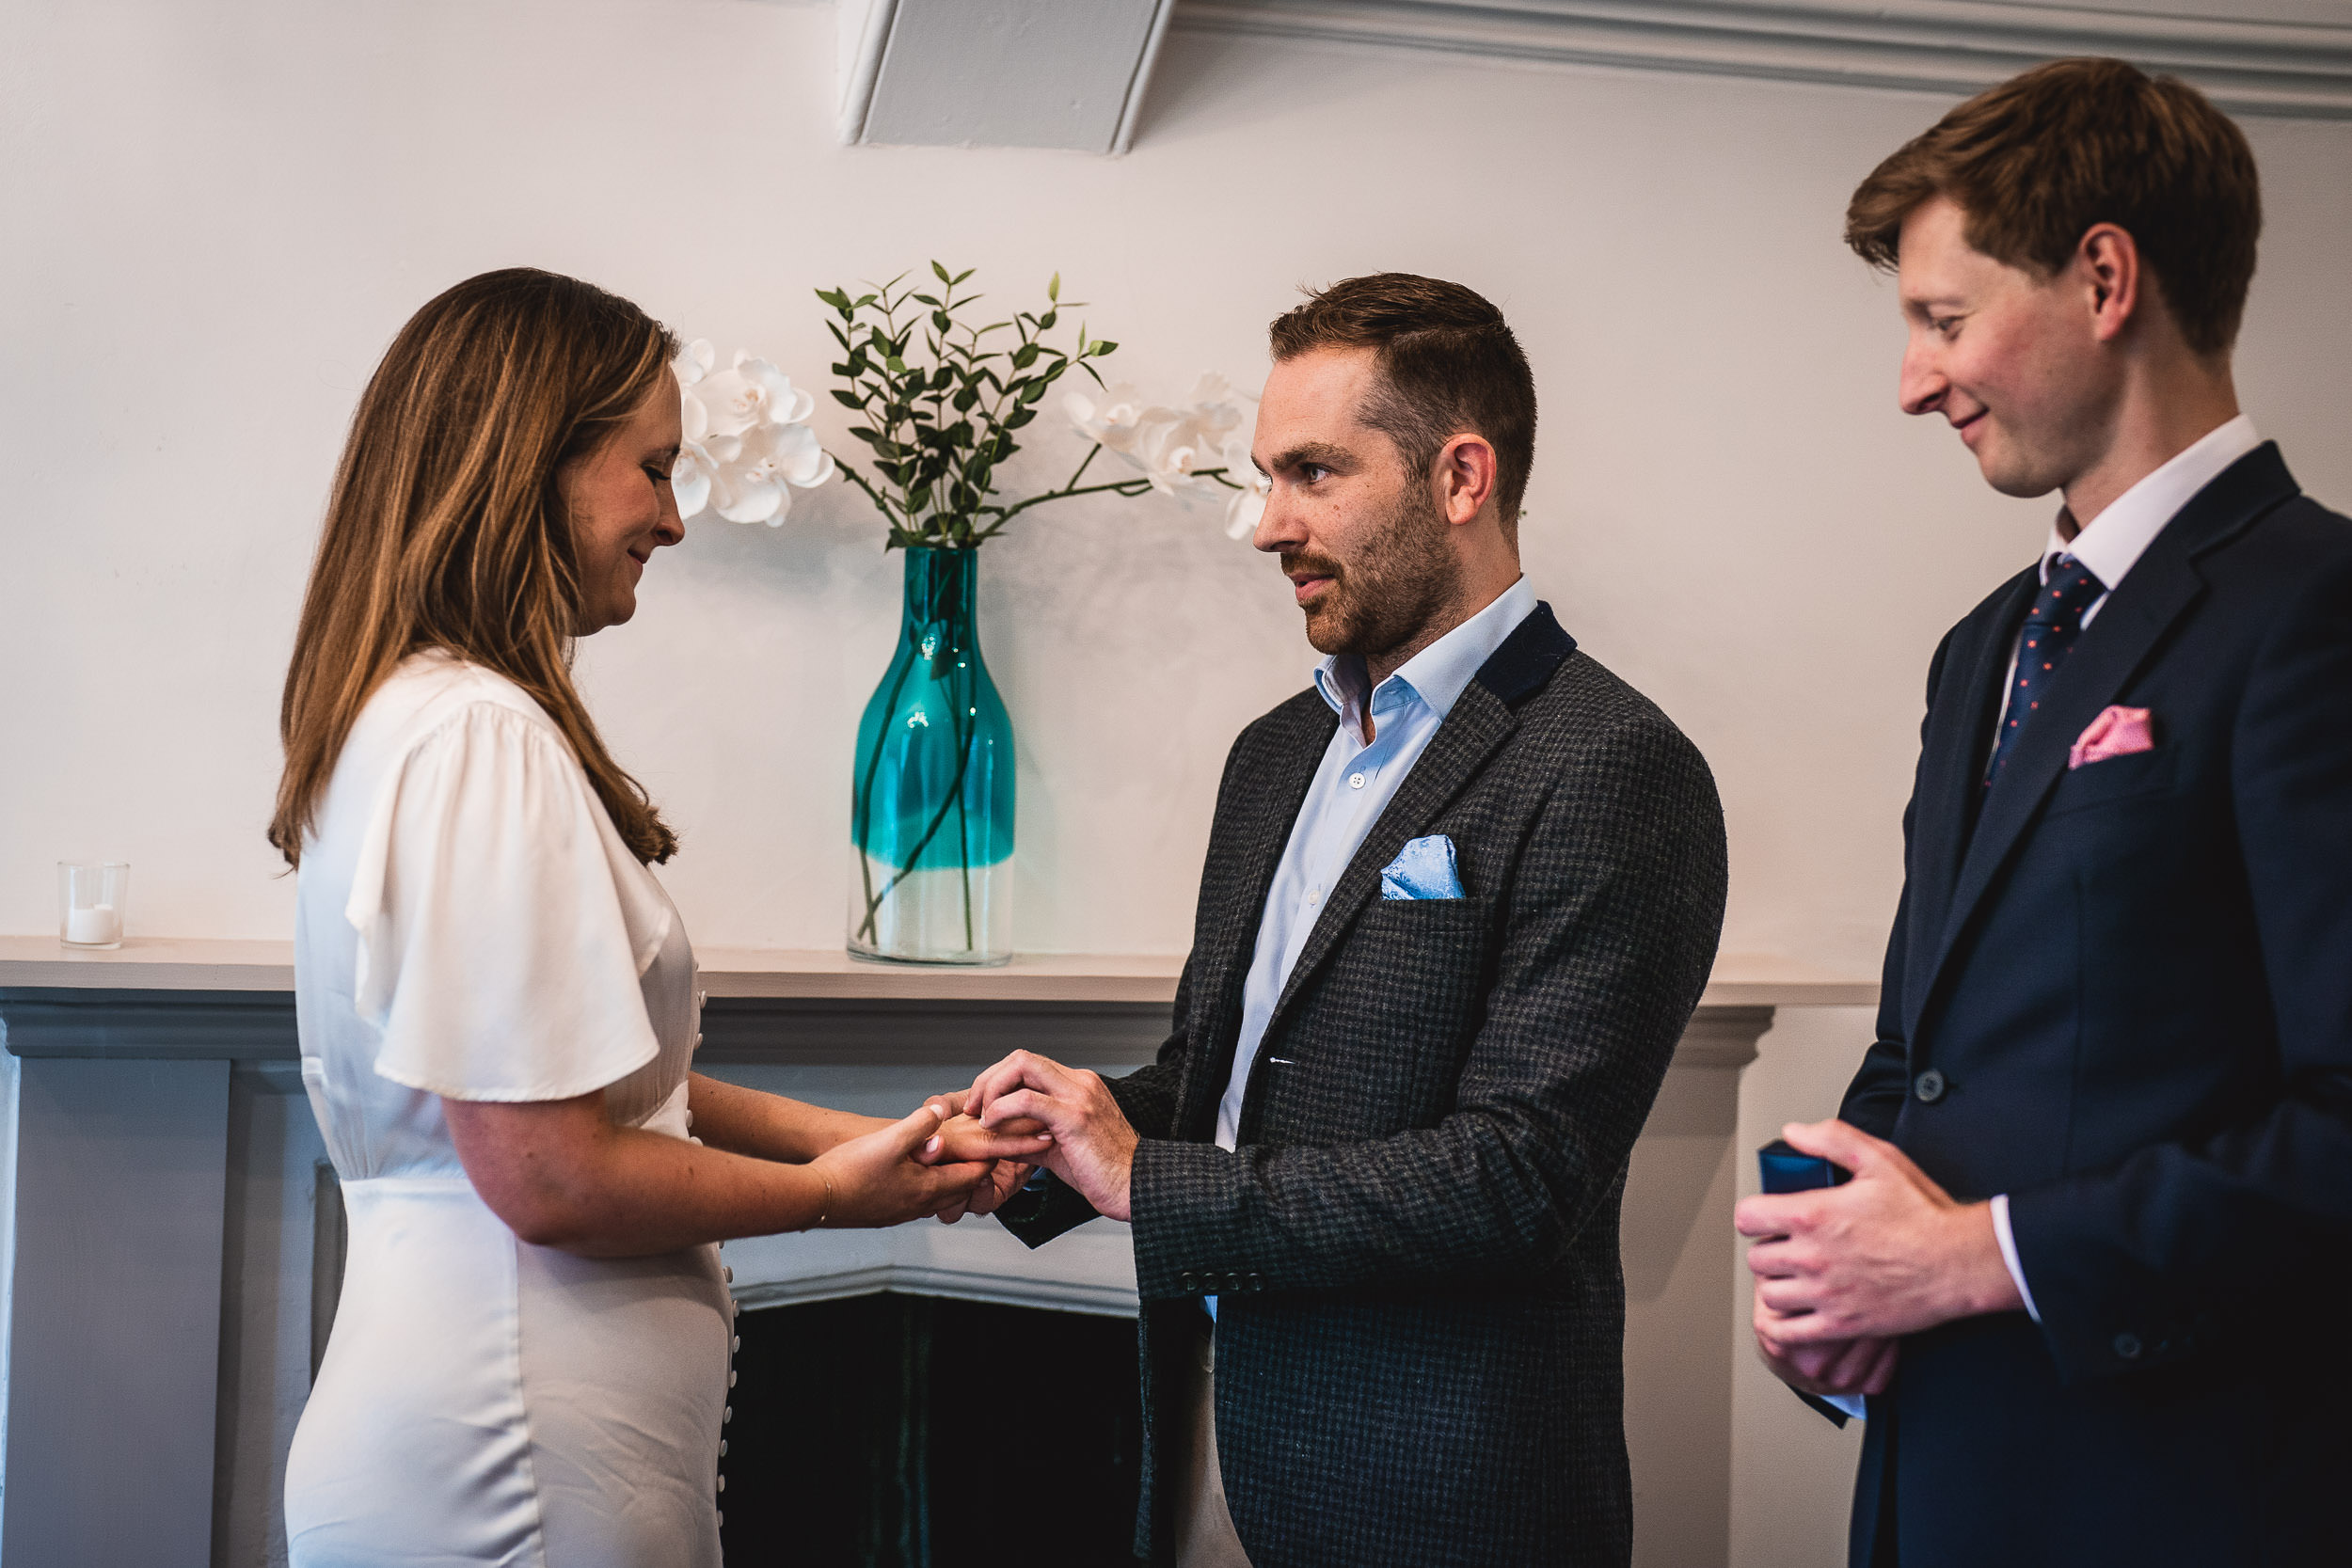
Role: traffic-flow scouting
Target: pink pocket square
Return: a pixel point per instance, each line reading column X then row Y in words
column 2117, row 732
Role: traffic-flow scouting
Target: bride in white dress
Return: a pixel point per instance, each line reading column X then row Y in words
column 497, row 1000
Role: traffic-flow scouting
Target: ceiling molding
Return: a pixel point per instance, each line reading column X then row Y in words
column 2302, row 70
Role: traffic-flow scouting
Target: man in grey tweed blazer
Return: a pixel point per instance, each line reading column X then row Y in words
column 1460, row 900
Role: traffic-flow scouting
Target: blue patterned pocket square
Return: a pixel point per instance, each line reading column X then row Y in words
column 1423, row 869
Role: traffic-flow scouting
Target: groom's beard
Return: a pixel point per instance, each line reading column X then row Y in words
column 1398, row 580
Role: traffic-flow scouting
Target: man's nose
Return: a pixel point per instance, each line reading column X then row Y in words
column 1281, row 526
column 1921, row 385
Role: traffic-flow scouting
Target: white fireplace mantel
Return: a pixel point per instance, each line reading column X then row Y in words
column 204, row 964
column 136, row 1179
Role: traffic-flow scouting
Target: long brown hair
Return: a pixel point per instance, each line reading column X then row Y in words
column 446, row 528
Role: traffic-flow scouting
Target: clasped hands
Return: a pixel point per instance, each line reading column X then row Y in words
column 1842, row 1272
column 968, row 1151
column 1086, row 1138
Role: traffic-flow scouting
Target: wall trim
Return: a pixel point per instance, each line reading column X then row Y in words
column 256, row 1030
column 915, row 1279
column 1955, row 47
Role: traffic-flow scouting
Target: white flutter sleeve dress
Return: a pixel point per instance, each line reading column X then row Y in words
column 471, row 926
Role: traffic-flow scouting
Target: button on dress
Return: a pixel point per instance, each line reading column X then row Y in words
column 471, row 926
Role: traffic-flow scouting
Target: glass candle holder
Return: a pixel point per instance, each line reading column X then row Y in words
column 92, row 898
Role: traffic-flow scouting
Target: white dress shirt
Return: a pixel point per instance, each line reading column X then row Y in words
column 2110, row 545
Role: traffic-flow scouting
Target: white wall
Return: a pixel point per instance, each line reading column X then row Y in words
column 221, row 213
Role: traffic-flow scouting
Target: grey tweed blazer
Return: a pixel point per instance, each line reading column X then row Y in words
column 1421, row 1316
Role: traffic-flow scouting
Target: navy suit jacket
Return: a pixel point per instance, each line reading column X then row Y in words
column 2123, row 995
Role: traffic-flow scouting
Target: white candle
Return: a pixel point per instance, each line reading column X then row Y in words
column 94, row 927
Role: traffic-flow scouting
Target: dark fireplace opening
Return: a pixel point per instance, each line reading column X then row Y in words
column 919, row 1431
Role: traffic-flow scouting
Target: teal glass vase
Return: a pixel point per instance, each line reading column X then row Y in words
column 932, row 789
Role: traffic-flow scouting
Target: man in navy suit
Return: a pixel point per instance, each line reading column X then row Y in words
column 2093, row 1272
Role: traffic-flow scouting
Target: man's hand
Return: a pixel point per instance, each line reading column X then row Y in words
column 1887, row 1254
column 1093, row 1148
column 1831, row 1367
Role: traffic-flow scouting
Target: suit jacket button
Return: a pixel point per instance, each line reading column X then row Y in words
column 2127, row 1346
column 1929, row 1086
column 1256, row 1283
column 1192, row 1283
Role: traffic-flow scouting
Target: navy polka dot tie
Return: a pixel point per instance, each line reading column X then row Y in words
column 2051, row 626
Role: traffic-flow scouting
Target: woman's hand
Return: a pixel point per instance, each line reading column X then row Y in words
column 993, row 1192
column 1016, row 1147
column 963, row 1138
column 879, row 1178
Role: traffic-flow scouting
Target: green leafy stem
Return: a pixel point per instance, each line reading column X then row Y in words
column 939, row 420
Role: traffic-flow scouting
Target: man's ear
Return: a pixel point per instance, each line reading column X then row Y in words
column 1465, row 477
column 2108, row 260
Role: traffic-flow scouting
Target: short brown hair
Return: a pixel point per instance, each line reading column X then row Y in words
column 1448, row 364
column 2037, row 160
column 447, row 528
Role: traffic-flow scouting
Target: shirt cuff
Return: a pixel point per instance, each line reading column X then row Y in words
column 2008, row 1238
column 1851, row 1403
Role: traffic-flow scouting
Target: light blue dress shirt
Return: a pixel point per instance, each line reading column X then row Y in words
column 1352, row 786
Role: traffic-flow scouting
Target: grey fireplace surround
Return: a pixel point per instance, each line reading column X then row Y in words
column 168, row 1242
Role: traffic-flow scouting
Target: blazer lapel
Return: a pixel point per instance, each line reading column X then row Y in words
column 1467, row 738
column 1480, row 721
column 1243, row 856
column 2161, row 588
column 1958, row 741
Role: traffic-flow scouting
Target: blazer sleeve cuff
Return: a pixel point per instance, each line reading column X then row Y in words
column 1183, row 1203
column 2101, row 1315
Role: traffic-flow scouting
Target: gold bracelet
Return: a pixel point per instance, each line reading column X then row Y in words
column 828, row 1208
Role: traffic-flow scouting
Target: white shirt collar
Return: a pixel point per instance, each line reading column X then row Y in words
column 1439, row 674
column 2116, row 538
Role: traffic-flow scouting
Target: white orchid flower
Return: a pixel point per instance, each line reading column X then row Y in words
column 1168, row 444
column 740, row 497
column 1215, row 405
column 1174, row 442
column 691, row 477
column 1246, row 504
column 796, row 454
column 750, row 393
column 744, row 444
column 1110, row 416
column 693, row 361
column 758, row 470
